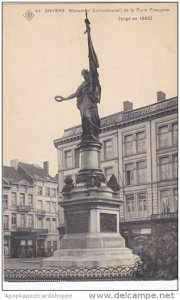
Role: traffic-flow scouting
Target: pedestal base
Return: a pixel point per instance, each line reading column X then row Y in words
column 91, row 211
column 92, row 251
column 91, row 258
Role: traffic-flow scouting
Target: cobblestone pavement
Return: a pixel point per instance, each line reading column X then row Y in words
column 23, row 263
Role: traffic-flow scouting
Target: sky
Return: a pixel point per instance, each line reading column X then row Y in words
column 43, row 57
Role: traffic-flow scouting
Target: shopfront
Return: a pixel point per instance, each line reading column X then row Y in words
column 23, row 246
column 7, row 247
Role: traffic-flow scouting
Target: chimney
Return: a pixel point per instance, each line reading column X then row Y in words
column 46, row 166
column 14, row 163
column 127, row 106
column 161, row 96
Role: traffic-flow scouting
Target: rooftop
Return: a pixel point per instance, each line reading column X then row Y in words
column 123, row 118
column 36, row 171
column 12, row 176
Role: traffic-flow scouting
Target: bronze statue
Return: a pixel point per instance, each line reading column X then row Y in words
column 88, row 95
column 113, row 183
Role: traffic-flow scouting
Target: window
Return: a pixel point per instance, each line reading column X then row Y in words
column 40, row 223
column 129, row 174
column 53, row 192
column 48, row 206
column 108, row 150
column 47, row 191
column 76, row 158
column 175, row 166
column 40, row 190
column 22, row 220
column 40, row 206
column 140, row 142
column 30, row 200
column 141, row 172
column 164, row 168
column 142, row 204
column 48, row 224
column 54, row 226
column 128, row 144
column 6, row 247
column 165, row 200
column 136, row 205
column 175, row 200
column 130, row 206
column 163, row 132
column 30, row 220
column 29, row 242
column 14, row 220
column 13, row 199
column 174, row 134
column 108, row 173
column 5, row 201
column 48, row 247
column 68, row 159
column 6, row 222
column 54, row 245
column 54, row 206
column 22, row 199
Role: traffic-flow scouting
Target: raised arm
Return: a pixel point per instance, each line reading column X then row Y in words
column 60, row 98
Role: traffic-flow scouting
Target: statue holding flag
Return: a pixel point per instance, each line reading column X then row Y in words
column 92, row 238
column 88, row 94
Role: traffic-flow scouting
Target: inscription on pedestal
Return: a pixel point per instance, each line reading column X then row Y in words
column 108, row 222
column 78, row 222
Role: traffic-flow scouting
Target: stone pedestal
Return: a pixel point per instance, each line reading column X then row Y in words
column 91, row 210
column 89, row 162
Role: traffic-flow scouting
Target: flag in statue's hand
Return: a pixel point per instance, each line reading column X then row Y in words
column 93, row 65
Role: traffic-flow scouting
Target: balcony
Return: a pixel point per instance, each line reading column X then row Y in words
column 172, row 215
column 42, row 230
column 41, row 212
column 31, row 229
column 24, row 208
column 25, row 228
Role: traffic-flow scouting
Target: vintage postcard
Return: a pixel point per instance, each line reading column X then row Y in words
column 90, row 196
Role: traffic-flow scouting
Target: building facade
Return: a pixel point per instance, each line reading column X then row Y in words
column 140, row 148
column 30, row 211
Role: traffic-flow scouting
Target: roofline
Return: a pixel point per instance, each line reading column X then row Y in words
column 34, row 178
column 108, row 116
column 9, row 185
column 56, row 141
column 30, row 175
column 123, row 112
column 20, row 163
column 14, row 182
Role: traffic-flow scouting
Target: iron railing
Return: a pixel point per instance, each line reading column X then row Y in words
column 76, row 274
column 41, row 212
column 41, row 230
column 24, row 208
column 24, row 228
column 29, row 228
column 172, row 215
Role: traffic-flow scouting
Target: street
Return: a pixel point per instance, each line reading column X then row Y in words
column 23, row 263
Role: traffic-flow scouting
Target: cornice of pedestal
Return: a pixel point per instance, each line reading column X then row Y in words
column 82, row 192
column 91, row 202
column 89, row 144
